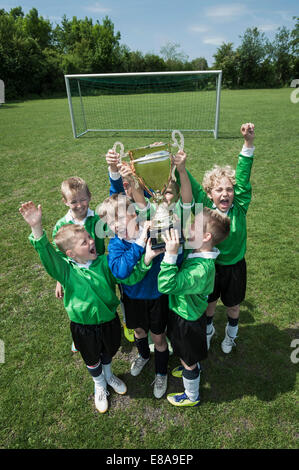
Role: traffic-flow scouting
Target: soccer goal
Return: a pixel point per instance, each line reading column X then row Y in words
column 2, row 92
column 147, row 101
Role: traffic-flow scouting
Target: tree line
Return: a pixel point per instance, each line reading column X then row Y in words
column 35, row 55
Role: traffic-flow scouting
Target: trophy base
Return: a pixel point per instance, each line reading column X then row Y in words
column 157, row 245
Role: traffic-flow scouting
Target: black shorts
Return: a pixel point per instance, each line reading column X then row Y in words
column 230, row 283
column 94, row 340
column 188, row 338
column 149, row 314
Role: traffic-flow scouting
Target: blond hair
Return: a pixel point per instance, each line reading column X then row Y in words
column 66, row 236
column 216, row 224
column 112, row 205
column 73, row 185
column 211, row 177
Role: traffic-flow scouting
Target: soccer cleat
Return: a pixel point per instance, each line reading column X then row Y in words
column 129, row 334
column 181, row 399
column 100, row 399
column 74, row 349
column 160, row 385
column 228, row 343
column 210, row 336
column 118, row 385
column 137, row 365
column 177, row 371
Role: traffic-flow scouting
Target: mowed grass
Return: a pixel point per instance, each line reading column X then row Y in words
column 249, row 397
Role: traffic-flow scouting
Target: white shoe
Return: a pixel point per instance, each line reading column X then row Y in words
column 100, row 399
column 138, row 365
column 228, row 343
column 160, row 385
column 118, row 385
column 209, row 337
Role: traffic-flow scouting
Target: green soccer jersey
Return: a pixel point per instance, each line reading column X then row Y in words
column 89, row 290
column 189, row 285
column 92, row 224
column 233, row 248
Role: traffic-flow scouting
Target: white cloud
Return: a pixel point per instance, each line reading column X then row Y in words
column 198, row 29
column 97, row 8
column 230, row 11
column 268, row 27
column 215, row 41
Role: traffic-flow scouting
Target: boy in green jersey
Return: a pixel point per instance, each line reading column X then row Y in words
column 89, row 295
column 76, row 196
column 188, row 287
column 228, row 191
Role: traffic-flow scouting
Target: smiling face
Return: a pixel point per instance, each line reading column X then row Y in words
column 78, row 202
column 222, row 194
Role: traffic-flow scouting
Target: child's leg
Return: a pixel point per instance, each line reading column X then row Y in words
column 141, row 342
column 118, row 385
column 233, row 314
column 161, row 362
column 100, row 384
column 191, row 381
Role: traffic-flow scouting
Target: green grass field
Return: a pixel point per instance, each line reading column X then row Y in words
column 250, row 397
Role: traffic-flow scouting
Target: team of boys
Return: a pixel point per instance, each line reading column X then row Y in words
column 171, row 291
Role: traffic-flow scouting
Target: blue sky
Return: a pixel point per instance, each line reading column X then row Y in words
column 198, row 26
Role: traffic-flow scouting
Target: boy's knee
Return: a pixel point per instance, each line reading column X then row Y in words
column 234, row 311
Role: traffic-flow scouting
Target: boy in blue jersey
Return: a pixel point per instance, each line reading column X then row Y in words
column 146, row 308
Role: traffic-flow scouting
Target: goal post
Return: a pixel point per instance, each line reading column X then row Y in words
column 145, row 102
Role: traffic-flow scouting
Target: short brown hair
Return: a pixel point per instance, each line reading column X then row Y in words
column 216, row 224
column 73, row 185
column 66, row 236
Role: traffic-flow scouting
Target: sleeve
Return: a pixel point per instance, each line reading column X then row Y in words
column 138, row 273
column 121, row 260
column 199, row 195
column 116, row 184
column 243, row 189
column 185, row 281
column 56, row 266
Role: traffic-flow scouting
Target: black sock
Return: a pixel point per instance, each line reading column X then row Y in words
column 209, row 320
column 232, row 321
column 143, row 347
column 191, row 374
column 96, row 370
column 161, row 361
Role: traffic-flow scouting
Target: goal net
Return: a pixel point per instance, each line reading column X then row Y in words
column 148, row 101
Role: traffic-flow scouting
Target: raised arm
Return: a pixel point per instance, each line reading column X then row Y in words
column 186, row 189
column 33, row 216
column 53, row 263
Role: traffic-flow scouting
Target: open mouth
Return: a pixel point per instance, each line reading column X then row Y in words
column 92, row 251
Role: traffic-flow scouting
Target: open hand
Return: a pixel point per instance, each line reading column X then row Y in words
column 172, row 241
column 32, row 214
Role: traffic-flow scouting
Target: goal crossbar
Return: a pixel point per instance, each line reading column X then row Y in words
column 96, row 101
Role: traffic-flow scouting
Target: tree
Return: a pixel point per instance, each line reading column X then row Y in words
column 198, row 64
column 252, row 53
column 171, row 53
column 227, row 60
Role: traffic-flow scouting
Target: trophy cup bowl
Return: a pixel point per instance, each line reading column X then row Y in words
column 152, row 169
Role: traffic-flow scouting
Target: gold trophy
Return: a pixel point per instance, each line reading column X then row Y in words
column 153, row 169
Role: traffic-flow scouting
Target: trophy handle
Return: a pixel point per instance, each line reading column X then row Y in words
column 122, row 149
column 174, row 140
